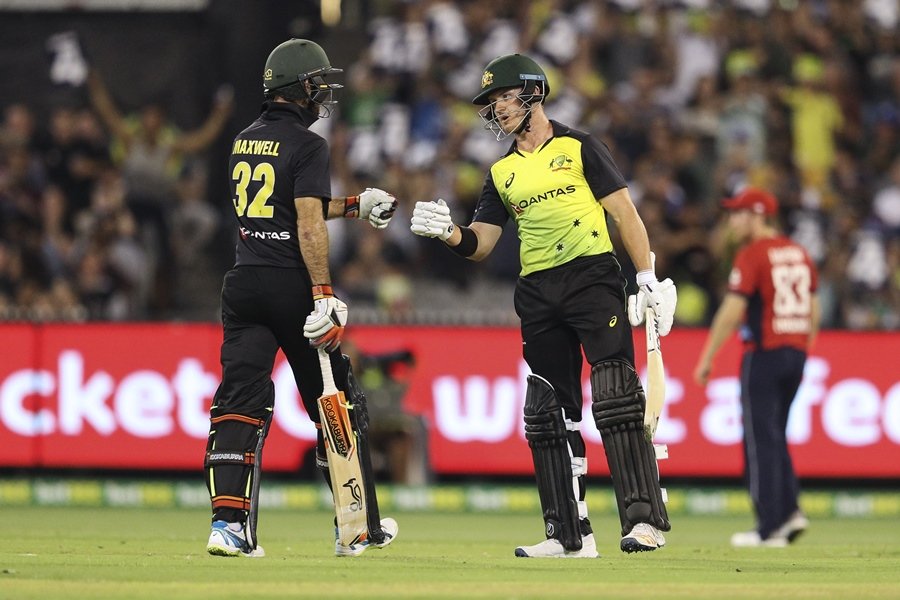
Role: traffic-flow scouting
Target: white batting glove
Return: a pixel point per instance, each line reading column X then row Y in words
column 660, row 296
column 324, row 326
column 377, row 207
column 432, row 219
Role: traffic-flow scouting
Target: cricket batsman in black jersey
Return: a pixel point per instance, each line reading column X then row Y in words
column 559, row 185
column 279, row 295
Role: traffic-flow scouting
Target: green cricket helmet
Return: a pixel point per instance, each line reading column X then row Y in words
column 512, row 71
column 296, row 61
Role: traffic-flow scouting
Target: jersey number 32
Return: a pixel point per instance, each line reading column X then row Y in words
column 242, row 175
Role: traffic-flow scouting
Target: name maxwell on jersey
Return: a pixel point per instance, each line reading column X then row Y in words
column 260, row 147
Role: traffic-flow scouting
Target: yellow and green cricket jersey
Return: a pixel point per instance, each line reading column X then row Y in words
column 552, row 194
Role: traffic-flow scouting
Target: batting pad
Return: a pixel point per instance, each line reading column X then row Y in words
column 618, row 409
column 545, row 430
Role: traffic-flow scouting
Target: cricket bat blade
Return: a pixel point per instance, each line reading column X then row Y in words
column 342, row 448
column 656, row 378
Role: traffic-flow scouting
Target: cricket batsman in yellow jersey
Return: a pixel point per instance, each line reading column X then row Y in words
column 558, row 185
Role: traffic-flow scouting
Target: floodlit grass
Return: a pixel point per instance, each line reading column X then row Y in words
column 145, row 553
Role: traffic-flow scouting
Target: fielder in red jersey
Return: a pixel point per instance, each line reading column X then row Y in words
column 771, row 292
column 778, row 279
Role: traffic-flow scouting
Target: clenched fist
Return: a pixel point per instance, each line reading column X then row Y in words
column 432, row 219
column 377, row 207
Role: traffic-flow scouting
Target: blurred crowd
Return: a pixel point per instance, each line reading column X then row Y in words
column 694, row 99
column 103, row 215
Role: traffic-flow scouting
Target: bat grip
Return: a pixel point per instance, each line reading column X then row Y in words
column 328, row 386
column 651, row 327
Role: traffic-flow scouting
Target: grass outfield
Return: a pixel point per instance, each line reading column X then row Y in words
column 131, row 554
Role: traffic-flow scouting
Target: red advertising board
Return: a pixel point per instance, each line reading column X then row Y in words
column 136, row 396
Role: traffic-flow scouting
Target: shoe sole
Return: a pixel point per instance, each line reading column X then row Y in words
column 793, row 535
column 797, row 530
column 522, row 554
column 215, row 550
column 630, row 546
column 222, row 551
column 351, row 551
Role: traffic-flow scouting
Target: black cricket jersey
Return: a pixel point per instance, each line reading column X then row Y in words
column 552, row 194
column 276, row 159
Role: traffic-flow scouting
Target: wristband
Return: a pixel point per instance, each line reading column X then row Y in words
column 322, row 291
column 467, row 245
column 351, row 207
column 645, row 277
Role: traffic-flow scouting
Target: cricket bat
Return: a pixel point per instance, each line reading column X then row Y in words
column 342, row 446
column 656, row 378
column 656, row 374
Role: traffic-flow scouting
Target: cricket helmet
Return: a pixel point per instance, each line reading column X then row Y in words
column 296, row 61
column 512, row 71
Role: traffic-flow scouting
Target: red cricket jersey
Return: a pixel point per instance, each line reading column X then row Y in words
column 778, row 279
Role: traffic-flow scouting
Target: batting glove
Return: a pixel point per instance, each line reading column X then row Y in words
column 324, row 326
column 377, row 207
column 660, row 296
column 432, row 219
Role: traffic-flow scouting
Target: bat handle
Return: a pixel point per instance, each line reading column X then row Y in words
column 328, row 386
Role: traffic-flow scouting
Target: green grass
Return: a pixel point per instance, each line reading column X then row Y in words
column 145, row 553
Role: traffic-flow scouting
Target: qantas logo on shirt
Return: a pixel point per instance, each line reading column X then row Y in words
column 264, row 235
column 521, row 205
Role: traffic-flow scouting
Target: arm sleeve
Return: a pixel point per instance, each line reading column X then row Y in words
column 312, row 171
column 600, row 171
column 490, row 207
column 744, row 277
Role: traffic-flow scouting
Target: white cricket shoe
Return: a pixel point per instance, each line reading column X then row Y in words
column 643, row 537
column 793, row 527
column 227, row 539
column 752, row 539
column 551, row 548
column 388, row 525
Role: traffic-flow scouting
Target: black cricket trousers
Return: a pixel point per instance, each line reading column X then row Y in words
column 264, row 309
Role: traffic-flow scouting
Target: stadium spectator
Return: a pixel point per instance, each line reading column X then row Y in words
column 801, row 98
column 150, row 151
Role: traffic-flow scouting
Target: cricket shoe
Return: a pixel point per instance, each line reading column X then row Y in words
column 793, row 527
column 388, row 525
column 752, row 539
column 227, row 539
column 551, row 548
column 643, row 537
